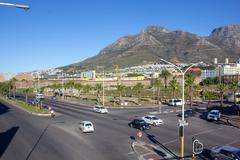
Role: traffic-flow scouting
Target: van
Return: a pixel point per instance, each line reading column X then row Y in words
column 175, row 102
column 39, row 96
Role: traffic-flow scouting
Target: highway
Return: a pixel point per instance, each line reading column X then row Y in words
column 60, row 137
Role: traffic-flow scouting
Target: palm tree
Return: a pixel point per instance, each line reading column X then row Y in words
column 189, row 82
column 26, row 91
column 165, row 74
column 12, row 86
column 174, row 86
column 234, row 88
column 158, row 84
column 120, row 89
column 98, row 88
column 69, row 85
column 138, row 88
column 86, row 88
column 221, row 89
column 209, row 95
column 79, row 87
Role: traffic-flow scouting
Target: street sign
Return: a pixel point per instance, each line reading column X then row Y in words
column 182, row 123
column 197, row 146
column 139, row 134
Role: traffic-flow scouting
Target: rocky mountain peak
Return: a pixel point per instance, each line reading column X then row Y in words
column 228, row 37
column 156, row 29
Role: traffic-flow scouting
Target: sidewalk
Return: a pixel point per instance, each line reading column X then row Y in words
column 146, row 151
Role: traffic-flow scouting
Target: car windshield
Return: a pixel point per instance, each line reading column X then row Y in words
column 177, row 101
column 214, row 113
column 141, row 121
column 155, row 118
column 88, row 124
column 238, row 154
column 101, row 108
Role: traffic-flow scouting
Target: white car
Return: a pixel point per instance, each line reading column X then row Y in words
column 153, row 120
column 100, row 109
column 214, row 115
column 175, row 102
column 86, row 126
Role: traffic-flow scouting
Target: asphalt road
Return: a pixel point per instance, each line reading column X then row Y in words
column 112, row 136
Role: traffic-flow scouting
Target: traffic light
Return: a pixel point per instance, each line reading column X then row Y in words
column 197, row 146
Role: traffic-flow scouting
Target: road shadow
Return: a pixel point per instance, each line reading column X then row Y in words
column 3, row 109
column 5, row 139
column 205, row 154
column 156, row 142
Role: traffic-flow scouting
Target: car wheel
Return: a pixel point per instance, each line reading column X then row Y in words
column 215, row 158
column 155, row 124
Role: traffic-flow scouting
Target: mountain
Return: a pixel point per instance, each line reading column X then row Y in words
column 158, row 42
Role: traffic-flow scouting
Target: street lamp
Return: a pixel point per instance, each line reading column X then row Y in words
column 25, row 7
column 182, row 122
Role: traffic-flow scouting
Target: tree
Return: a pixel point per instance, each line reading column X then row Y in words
column 174, row 86
column 86, row 88
column 138, row 88
column 69, row 85
column 234, row 88
column 221, row 89
column 165, row 74
column 4, row 89
column 209, row 96
column 189, row 82
column 26, row 91
column 12, row 87
column 120, row 89
column 79, row 87
column 98, row 88
column 158, row 84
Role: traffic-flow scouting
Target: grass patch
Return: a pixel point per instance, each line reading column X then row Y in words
column 25, row 106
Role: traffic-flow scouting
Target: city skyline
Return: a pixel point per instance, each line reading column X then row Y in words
column 53, row 34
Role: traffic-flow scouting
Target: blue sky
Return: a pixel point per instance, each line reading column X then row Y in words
column 59, row 32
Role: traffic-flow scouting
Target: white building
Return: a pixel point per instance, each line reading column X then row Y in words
column 208, row 74
column 88, row 74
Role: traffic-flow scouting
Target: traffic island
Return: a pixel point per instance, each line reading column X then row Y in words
column 145, row 151
column 27, row 107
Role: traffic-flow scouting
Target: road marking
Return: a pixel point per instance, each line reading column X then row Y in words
column 170, row 141
column 235, row 141
column 207, row 131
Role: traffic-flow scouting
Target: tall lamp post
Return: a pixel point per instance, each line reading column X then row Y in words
column 182, row 122
column 25, row 7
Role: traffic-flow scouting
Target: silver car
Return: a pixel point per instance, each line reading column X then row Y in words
column 225, row 153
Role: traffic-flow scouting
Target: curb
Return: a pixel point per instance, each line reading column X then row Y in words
column 119, row 107
column 32, row 113
column 149, row 152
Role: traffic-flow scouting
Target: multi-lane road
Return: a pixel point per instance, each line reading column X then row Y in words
column 29, row 137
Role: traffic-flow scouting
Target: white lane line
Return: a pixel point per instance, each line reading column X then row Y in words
column 203, row 132
column 235, row 141
column 175, row 140
column 207, row 131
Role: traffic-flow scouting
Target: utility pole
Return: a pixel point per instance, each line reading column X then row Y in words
column 182, row 122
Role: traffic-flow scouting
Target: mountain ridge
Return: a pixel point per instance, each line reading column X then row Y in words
column 156, row 42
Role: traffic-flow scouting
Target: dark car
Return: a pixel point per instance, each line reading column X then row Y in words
column 225, row 153
column 139, row 124
column 187, row 113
